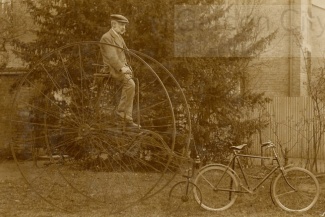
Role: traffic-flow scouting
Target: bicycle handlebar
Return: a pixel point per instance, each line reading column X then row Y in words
column 268, row 144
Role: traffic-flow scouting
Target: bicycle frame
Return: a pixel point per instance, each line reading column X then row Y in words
column 246, row 186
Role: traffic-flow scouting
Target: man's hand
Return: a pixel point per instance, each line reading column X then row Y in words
column 126, row 70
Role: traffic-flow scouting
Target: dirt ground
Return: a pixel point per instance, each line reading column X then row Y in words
column 18, row 199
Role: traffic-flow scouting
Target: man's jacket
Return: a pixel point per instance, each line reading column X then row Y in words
column 114, row 58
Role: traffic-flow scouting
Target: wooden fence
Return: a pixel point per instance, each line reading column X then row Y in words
column 297, row 125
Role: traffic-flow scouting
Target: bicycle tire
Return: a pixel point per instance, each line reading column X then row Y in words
column 212, row 198
column 180, row 197
column 303, row 198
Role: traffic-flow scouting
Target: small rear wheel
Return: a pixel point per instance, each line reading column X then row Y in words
column 181, row 196
column 295, row 191
column 218, row 187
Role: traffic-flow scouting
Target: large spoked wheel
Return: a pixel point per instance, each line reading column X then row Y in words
column 296, row 191
column 63, row 113
column 217, row 186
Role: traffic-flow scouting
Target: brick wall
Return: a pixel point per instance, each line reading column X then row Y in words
column 271, row 77
column 282, row 68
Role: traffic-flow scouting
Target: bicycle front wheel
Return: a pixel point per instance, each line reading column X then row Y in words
column 218, row 187
column 295, row 191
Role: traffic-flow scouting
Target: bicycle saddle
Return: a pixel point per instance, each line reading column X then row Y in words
column 238, row 147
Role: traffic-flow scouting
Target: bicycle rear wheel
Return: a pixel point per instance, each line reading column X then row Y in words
column 217, row 186
column 296, row 191
column 181, row 196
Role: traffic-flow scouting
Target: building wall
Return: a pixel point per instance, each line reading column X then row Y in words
column 318, row 34
column 301, row 35
column 271, row 78
column 283, row 70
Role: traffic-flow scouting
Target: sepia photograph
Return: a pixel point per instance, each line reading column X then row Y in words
column 162, row 108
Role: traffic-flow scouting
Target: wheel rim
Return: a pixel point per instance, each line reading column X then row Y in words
column 302, row 197
column 209, row 180
column 181, row 197
column 69, row 118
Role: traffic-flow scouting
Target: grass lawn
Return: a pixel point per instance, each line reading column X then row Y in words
column 18, row 199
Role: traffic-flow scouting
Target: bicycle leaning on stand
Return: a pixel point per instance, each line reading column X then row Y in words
column 292, row 189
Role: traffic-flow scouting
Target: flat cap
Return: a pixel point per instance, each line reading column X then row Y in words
column 119, row 18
